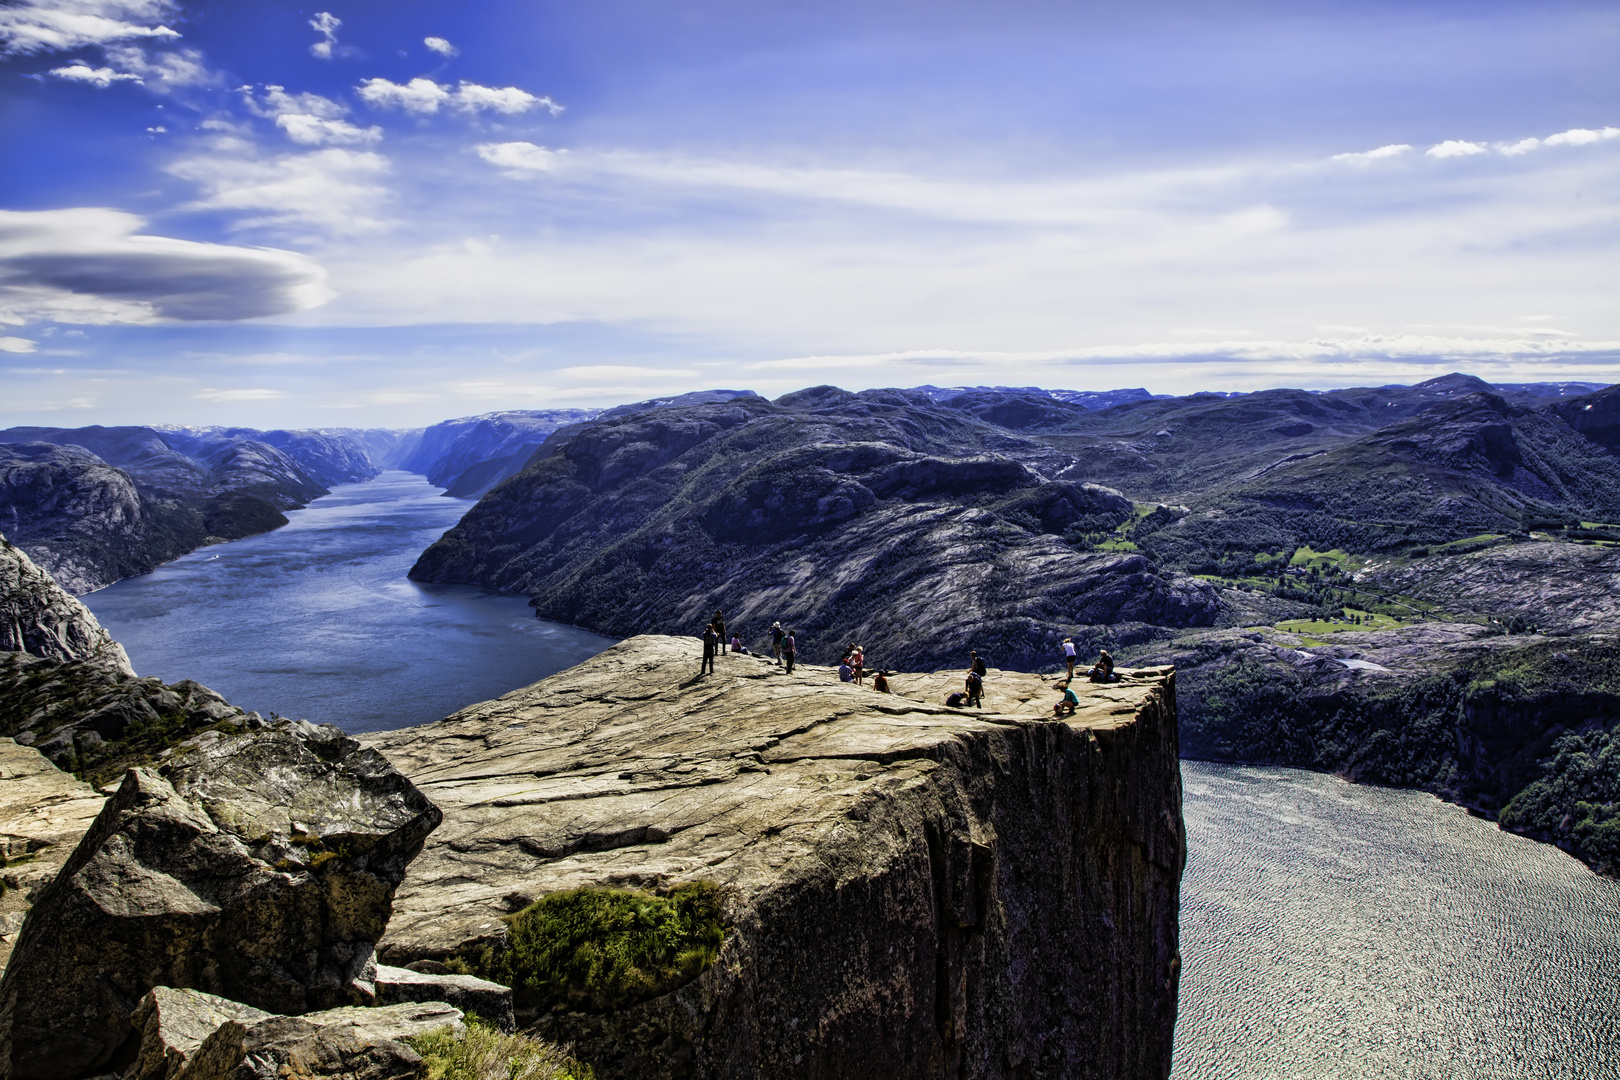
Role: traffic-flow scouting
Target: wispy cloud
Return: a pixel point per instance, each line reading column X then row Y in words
column 327, row 25
column 245, row 394
column 17, row 345
column 334, row 190
column 1456, row 148
column 424, row 97
column 309, row 119
column 441, row 46
column 102, row 76
column 1368, row 156
column 36, row 26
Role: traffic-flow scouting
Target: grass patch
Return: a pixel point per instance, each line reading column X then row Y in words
column 1367, row 620
column 600, row 949
column 1320, row 560
column 1115, row 545
column 486, row 1054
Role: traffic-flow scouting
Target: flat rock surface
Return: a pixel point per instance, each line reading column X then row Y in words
column 43, row 813
column 631, row 769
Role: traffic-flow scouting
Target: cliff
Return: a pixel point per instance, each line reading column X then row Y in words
column 910, row 890
column 882, row 517
column 469, row 456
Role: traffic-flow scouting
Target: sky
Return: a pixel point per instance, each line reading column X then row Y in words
column 389, row 214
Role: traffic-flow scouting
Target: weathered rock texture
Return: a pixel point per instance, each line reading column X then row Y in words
column 260, row 868
column 489, row 1001
column 43, row 813
column 172, row 1024
column 913, row 891
column 38, row 617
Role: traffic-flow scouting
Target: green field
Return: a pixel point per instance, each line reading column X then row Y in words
column 1369, row 621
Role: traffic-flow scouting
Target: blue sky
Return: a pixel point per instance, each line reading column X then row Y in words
column 393, row 213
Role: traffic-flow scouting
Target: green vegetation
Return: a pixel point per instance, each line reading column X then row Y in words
column 1576, row 802
column 486, row 1054
column 599, row 949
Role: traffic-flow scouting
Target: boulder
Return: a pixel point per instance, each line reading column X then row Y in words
column 486, row 1000
column 261, row 868
column 173, row 1024
column 355, row 1044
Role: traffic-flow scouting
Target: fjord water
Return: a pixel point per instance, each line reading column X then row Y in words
column 1327, row 929
column 317, row 620
column 1335, row 930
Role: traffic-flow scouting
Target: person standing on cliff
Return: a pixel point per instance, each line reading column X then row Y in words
column 711, row 642
column 777, row 634
column 1068, row 656
column 790, row 649
column 977, row 667
column 719, row 624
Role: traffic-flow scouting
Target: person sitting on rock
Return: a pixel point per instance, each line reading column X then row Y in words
column 1066, row 705
column 1103, row 670
column 975, row 690
column 845, row 672
column 736, row 641
column 880, row 682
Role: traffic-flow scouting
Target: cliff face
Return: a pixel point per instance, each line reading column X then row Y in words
column 38, row 618
column 912, row 891
column 469, row 456
column 878, row 517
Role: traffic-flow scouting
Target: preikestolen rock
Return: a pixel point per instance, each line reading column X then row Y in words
column 486, row 1000
column 356, row 1044
column 173, row 1025
column 261, row 868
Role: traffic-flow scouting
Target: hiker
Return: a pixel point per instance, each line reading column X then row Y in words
column 1103, row 671
column 857, row 663
column 711, row 642
column 790, row 648
column 719, row 623
column 1069, row 656
column 880, row 682
column 954, row 701
column 975, row 690
column 977, row 667
column 736, row 641
column 1067, row 704
column 845, row 672
column 777, row 634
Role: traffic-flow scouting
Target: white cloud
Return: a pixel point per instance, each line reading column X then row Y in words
column 334, row 189
column 1523, row 146
column 163, row 72
column 17, row 345
column 93, row 266
column 309, row 119
column 36, row 26
column 245, row 394
column 1455, row 148
column 441, row 46
column 326, row 24
column 1581, row 136
column 1368, row 156
column 519, row 158
column 102, row 76
column 420, row 96
column 425, row 97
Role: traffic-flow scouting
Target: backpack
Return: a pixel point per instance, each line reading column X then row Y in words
column 975, row 684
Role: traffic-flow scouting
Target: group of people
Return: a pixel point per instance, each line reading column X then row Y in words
column 852, row 668
column 1101, row 672
column 971, row 695
column 784, row 644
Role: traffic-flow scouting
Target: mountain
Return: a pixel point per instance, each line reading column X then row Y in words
column 469, row 456
column 882, row 517
column 96, row 504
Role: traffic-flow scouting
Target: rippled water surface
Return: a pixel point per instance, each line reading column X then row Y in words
column 317, row 619
column 1334, row 930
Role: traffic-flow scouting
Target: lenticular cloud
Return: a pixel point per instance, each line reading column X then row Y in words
column 92, row 266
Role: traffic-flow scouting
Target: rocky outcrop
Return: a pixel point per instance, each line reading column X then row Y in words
column 78, row 517
column 489, row 1001
column 38, row 618
column 878, row 517
column 260, row 868
column 1595, row 415
column 469, row 456
column 911, row 890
